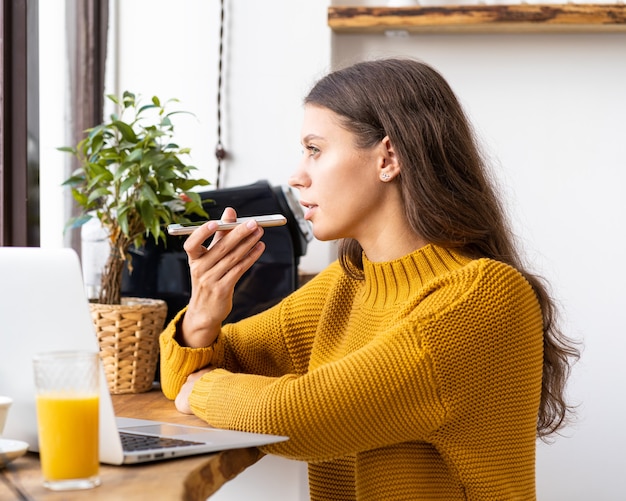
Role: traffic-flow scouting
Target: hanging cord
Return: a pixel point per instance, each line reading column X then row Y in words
column 220, row 152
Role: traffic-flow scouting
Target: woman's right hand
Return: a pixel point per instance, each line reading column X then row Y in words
column 182, row 399
column 214, row 272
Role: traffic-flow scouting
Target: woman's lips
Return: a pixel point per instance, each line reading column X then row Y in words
column 309, row 209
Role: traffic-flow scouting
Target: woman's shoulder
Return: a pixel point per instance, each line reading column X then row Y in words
column 499, row 273
column 463, row 280
column 487, row 280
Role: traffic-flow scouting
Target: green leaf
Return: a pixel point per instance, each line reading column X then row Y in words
column 134, row 156
column 128, row 99
column 99, row 180
column 127, row 184
column 97, row 193
column 146, row 209
column 148, row 193
column 97, row 143
column 122, row 221
column 126, row 130
column 93, row 132
column 80, row 197
column 77, row 222
column 146, row 107
column 73, row 180
column 180, row 112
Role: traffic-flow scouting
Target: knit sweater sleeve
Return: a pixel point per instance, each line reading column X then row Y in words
column 177, row 362
column 332, row 411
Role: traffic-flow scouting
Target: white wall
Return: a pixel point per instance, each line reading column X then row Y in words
column 549, row 108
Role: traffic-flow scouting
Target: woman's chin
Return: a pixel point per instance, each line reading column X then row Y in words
column 325, row 235
column 319, row 233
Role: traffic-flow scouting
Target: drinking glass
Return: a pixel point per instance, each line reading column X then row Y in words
column 67, row 396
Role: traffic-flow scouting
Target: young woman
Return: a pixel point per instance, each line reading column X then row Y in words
column 425, row 362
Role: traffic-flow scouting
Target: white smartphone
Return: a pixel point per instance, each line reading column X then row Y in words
column 265, row 221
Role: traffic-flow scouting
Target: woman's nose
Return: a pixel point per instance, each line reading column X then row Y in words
column 293, row 182
column 298, row 179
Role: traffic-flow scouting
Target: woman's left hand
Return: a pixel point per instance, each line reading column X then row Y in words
column 182, row 399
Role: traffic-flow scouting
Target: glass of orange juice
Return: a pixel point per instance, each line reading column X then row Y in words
column 67, row 396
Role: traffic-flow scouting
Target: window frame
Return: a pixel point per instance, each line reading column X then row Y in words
column 19, row 123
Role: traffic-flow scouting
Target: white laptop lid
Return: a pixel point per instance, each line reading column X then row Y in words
column 43, row 307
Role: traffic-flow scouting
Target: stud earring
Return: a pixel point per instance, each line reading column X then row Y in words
column 385, row 177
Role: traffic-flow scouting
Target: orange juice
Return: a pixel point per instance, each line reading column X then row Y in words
column 68, row 435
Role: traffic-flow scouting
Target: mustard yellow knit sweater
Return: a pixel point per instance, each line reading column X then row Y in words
column 420, row 382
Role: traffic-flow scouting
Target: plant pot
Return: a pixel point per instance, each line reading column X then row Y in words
column 128, row 335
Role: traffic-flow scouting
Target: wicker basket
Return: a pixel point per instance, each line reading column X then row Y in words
column 128, row 335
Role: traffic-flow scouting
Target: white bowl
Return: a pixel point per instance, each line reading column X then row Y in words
column 11, row 449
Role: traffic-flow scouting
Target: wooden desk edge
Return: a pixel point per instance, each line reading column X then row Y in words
column 205, row 479
column 193, row 478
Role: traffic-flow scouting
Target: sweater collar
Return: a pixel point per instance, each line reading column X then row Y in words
column 393, row 282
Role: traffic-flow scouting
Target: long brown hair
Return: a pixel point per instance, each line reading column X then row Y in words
column 447, row 193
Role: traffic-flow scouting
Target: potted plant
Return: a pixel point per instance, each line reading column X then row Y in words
column 133, row 179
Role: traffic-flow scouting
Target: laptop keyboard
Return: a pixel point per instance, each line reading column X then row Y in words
column 133, row 442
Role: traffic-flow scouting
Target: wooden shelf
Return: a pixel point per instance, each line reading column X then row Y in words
column 480, row 18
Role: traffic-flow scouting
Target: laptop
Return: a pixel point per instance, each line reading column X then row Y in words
column 44, row 307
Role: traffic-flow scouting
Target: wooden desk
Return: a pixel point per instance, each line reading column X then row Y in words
column 189, row 479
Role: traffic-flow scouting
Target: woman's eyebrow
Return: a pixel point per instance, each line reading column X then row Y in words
column 310, row 137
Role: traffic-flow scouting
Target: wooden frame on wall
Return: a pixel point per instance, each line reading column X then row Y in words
column 521, row 17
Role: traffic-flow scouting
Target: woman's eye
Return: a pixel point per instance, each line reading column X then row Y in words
column 313, row 150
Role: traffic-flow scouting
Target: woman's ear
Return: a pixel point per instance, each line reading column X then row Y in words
column 389, row 165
